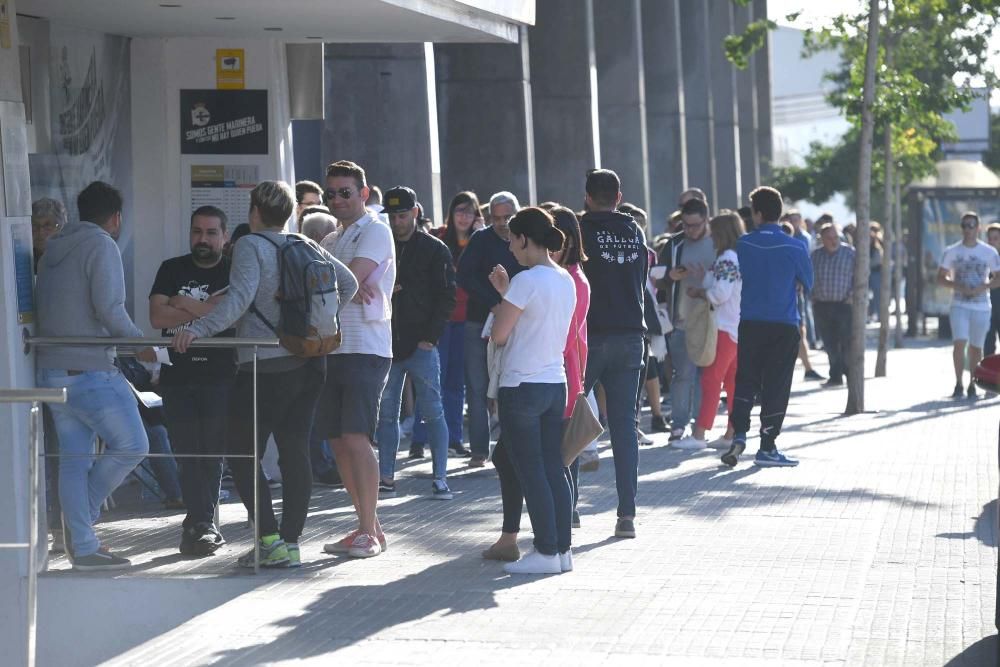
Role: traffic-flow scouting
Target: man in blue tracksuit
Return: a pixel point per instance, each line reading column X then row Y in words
column 771, row 263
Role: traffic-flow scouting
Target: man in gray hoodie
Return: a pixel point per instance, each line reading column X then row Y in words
column 81, row 292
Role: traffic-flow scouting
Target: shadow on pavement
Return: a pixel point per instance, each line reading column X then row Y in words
column 984, row 529
column 983, row 653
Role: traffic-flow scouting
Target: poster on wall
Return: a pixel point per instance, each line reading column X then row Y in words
column 224, row 186
column 224, row 122
column 24, row 271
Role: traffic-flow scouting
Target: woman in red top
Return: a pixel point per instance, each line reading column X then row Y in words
column 458, row 227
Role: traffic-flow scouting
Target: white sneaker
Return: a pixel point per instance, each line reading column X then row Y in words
column 690, row 443
column 535, row 563
column 566, row 560
column 722, row 443
column 643, row 438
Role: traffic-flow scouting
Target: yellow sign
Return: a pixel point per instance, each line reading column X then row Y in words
column 4, row 24
column 230, row 69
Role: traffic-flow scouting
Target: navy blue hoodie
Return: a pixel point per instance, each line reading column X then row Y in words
column 485, row 250
column 616, row 267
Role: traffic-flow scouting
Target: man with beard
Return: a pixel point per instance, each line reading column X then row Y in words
column 196, row 386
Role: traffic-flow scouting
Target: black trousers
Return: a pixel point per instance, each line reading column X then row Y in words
column 833, row 321
column 286, row 405
column 765, row 362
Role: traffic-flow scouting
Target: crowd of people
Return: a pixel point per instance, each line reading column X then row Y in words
column 500, row 317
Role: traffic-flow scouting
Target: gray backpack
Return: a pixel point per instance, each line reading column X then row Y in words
column 309, row 321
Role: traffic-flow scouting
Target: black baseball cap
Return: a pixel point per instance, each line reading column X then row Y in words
column 399, row 199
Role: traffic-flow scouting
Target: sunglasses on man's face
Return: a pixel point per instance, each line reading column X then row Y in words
column 344, row 193
column 969, row 225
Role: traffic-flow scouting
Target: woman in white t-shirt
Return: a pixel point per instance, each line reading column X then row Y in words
column 722, row 287
column 531, row 324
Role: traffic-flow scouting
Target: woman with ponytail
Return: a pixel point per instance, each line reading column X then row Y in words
column 531, row 325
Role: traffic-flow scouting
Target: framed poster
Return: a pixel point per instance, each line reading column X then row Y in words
column 24, row 269
column 224, row 122
column 224, row 186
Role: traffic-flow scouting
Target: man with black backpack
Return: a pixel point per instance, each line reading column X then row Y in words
column 422, row 301
column 265, row 264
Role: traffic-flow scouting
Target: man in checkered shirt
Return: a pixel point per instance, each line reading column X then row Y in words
column 833, row 280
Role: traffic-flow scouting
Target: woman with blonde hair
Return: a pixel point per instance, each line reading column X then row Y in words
column 721, row 286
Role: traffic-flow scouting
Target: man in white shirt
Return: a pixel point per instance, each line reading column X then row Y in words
column 357, row 370
column 971, row 268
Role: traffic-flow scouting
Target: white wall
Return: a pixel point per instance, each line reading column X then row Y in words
column 161, row 175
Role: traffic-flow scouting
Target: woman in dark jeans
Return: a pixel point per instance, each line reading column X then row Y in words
column 531, row 326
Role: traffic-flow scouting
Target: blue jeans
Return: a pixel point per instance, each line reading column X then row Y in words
column 477, row 382
column 451, row 351
column 685, row 387
column 615, row 360
column 196, row 420
column 99, row 403
column 320, row 456
column 531, row 419
column 425, row 372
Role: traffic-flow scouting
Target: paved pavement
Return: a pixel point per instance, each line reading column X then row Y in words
column 879, row 549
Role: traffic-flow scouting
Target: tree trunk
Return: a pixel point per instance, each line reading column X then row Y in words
column 856, row 361
column 885, row 283
column 901, row 257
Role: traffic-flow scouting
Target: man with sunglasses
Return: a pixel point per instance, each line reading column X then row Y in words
column 970, row 268
column 357, row 371
column 687, row 255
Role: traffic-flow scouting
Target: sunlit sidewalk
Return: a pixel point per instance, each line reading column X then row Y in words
column 879, row 549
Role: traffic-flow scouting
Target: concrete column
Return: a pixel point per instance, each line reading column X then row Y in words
column 696, row 44
column 746, row 92
column 665, row 118
column 618, row 42
column 762, row 75
column 16, row 369
column 377, row 114
column 484, row 119
column 724, row 109
column 564, row 99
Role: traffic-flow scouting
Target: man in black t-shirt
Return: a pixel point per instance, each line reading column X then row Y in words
column 196, row 386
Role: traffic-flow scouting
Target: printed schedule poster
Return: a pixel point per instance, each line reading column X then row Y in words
column 224, row 122
column 224, row 186
column 24, row 273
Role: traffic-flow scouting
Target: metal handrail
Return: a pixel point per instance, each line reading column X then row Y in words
column 36, row 397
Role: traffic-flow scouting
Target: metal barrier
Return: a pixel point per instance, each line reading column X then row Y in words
column 36, row 397
column 254, row 343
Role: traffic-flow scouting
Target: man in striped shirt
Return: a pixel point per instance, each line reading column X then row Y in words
column 833, row 269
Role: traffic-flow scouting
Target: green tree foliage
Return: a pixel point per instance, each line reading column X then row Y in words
column 992, row 158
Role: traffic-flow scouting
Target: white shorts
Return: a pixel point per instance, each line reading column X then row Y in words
column 969, row 325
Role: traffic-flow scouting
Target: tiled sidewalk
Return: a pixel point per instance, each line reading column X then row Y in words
column 879, row 549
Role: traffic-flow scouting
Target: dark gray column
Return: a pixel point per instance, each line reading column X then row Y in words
column 667, row 140
column 746, row 89
column 699, row 121
column 484, row 119
column 724, row 109
column 563, row 99
column 621, row 95
column 377, row 114
column 762, row 74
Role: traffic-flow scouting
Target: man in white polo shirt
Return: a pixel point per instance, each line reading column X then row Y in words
column 356, row 372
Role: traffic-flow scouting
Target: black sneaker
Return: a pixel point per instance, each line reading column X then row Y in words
column 386, row 489
column 102, row 560
column 625, row 528
column 329, row 478
column 658, row 425
column 833, row 382
column 272, row 484
column 732, row 457
column 576, row 519
column 200, row 541
column 458, row 450
column 971, row 393
column 813, row 375
column 959, row 391
column 417, row 452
